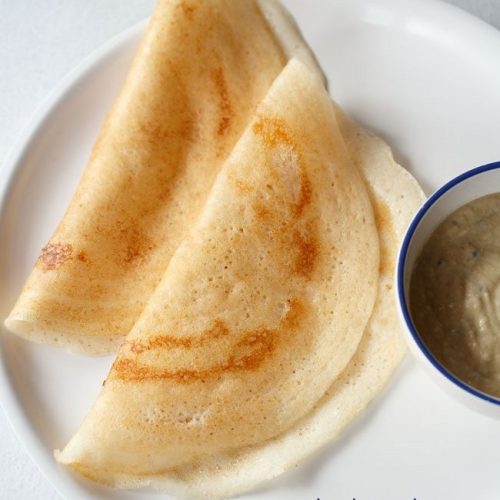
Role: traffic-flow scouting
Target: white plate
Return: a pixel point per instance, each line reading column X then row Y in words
column 422, row 74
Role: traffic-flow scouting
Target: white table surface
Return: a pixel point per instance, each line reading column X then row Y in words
column 40, row 41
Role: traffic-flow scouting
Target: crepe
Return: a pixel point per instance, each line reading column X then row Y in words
column 396, row 196
column 260, row 309
column 201, row 70
column 288, row 33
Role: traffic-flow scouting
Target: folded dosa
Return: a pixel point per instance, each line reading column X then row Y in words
column 260, row 309
column 395, row 196
column 201, row 70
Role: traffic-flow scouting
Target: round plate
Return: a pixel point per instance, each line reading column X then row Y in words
column 421, row 74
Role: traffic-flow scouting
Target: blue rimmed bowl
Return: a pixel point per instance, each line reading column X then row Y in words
column 463, row 189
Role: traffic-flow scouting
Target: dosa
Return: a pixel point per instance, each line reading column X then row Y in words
column 395, row 196
column 202, row 68
column 261, row 307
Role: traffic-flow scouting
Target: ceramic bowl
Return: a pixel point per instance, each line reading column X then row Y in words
column 467, row 187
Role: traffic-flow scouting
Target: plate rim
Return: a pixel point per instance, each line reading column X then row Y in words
column 11, row 168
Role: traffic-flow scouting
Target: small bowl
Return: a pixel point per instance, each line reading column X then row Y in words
column 467, row 187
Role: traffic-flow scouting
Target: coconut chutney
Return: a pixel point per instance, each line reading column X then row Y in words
column 455, row 293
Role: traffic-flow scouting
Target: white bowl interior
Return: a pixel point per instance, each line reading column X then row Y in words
column 443, row 204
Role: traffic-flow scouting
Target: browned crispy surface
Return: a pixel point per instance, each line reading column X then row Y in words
column 200, row 72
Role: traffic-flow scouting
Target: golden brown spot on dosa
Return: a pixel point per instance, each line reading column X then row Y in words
column 243, row 186
column 248, row 353
column 54, row 255
column 157, row 134
column 153, row 133
column 226, row 111
column 383, row 221
column 307, row 253
column 261, row 211
column 218, row 330
column 82, row 256
column 188, row 9
column 273, row 132
column 138, row 245
column 305, row 194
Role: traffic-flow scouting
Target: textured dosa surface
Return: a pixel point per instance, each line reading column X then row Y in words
column 261, row 308
column 395, row 196
column 201, row 70
column 289, row 35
